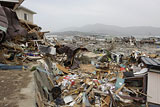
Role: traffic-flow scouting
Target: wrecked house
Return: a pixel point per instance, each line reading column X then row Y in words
column 25, row 14
column 153, row 66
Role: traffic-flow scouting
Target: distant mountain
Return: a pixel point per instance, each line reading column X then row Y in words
column 72, row 33
column 115, row 30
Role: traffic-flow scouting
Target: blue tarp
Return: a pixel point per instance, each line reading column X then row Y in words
column 11, row 67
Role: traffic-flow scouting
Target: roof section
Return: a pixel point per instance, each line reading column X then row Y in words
column 24, row 8
column 151, row 63
column 9, row 3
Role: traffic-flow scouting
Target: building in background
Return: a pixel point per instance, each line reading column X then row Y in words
column 25, row 14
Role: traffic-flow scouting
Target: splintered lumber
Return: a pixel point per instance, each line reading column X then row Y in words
column 13, row 46
column 89, row 89
column 136, row 92
column 50, row 81
column 144, row 94
column 114, row 103
column 119, row 89
column 79, row 98
column 40, row 101
column 57, row 43
column 107, row 100
column 75, row 91
column 62, row 69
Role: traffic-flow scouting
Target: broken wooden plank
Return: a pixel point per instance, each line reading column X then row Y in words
column 144, row 94
column 107, row 100
column 50, row 81
column 119, row 89
column 62, row 68
column 89, row 89
column 114, row 103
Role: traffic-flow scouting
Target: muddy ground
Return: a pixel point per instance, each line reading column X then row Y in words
column 11, row 83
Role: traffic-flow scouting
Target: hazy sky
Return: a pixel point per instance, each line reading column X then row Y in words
column 58, row 14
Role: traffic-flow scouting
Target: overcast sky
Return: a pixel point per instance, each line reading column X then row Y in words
column 54, row 15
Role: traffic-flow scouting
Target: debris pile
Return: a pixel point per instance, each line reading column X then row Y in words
column 77, row 77
column 89, row 72
column 18, row 40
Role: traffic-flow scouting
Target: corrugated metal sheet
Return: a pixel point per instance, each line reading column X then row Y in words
column 151, row 63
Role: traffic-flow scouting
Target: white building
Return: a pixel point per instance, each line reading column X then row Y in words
column 25, row 14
